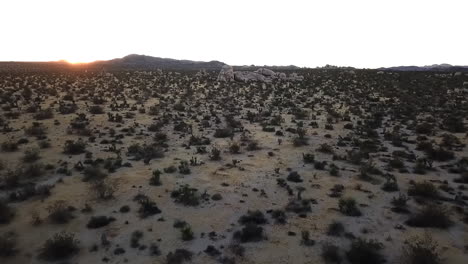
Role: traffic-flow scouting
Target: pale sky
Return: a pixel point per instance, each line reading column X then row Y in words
column 360, row 33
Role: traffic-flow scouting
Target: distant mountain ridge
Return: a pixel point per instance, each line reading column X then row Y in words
column 435, row 67
column 144, row 61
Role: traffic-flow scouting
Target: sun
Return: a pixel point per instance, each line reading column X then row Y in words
column 77, row 61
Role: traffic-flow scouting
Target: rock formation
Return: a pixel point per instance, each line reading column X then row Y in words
column 227, row 74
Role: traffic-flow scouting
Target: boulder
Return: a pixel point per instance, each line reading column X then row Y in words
column 226, row 74
column 266, row 72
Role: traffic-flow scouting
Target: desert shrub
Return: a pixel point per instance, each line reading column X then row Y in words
column 335, row 228
column 440, row 154
column 212, row 251
column 367, row 170
column 252, row 145
column 450, row 141
column 155, row 179
column 421, row 251
column 424, row 128
column 454, row 124
column 463, row 178
column 187, row 233
column 74, row 147
column 182, row 127
column 147, row 207
column 186, row 195
column 325, row 148
column 234, row 148
column 431, row 216
column 399, row 204
column 293, row 176
column 198, row 141
column 154, row 250
column 356, row 157
column 396, row 163
column 365, row 252
column 249, row 233
column 223, row 133
column 43, row 144
column 421, row 166
column 96, row 110
column 44, row 114
column 184, row 167
column 145, row 152
column 135, row 239
column 170, row 169
column 390, row 186
column 308, row 157
column 299, row 206
column 279, row 216
column 348, row 126
column 253, row 217
column 320, row 165
column 29, row 190
column 92, row 173
column 9, row 146
column 31, row 171
column 179, row 223
column 348, row 207
column 331, row 254
column 8, row 244
column 179, row 256
column 31, row 155
column 216, row 197
column 59, row 212
column 104, row 189
column 10, row 179
column 60, row 246
column 66, row 109
column 36, row 129
column 305, row 239
column 423, row 189
column 6, row 213
column 334, row 170
column 215, row 154
column 300, row 141
column 160, row 138
column 99, row 221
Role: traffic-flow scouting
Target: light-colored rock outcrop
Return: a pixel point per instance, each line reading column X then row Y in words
column 227, row 74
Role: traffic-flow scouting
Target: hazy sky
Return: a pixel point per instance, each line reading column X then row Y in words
column 361, row 33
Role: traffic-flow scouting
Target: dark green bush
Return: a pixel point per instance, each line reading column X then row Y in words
column 348, row 207
column 179, row 256
column 249, row 233
column 365, row 252
column 186, row 196
column 431, row 216
column 331, row 254
column 6, row 213
column 8, row 244
column 60, row 246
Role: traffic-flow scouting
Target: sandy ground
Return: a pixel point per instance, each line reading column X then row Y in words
column 256, row 169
